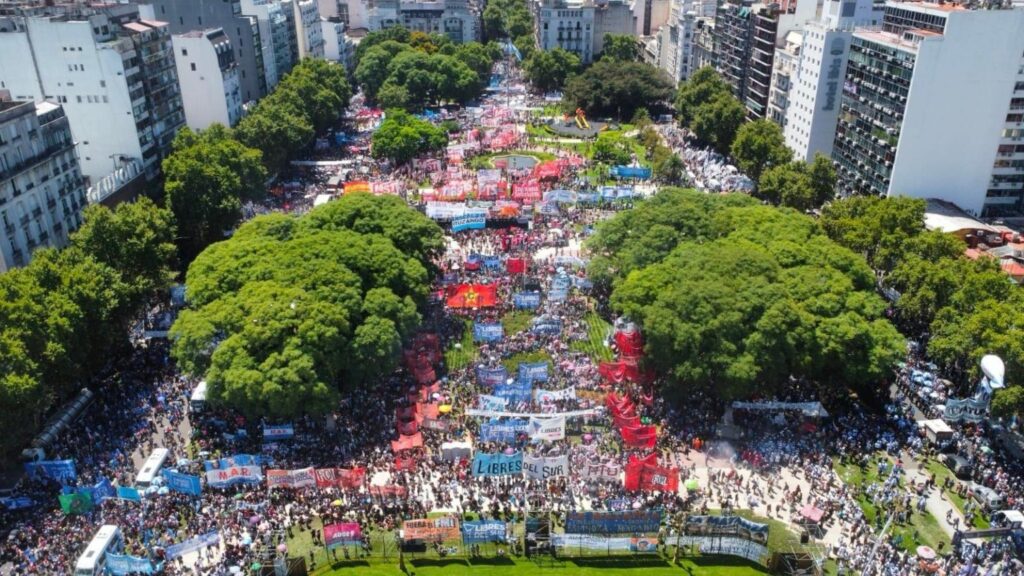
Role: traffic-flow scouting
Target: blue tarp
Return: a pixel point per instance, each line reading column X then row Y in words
column 631, row 172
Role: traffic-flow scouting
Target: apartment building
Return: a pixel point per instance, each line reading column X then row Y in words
column 456, row 19
column 210, row 86
column 580, row 26
column 276, row 33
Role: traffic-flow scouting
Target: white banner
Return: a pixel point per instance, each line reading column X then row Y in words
column 541, row 468
column 727, row 545
column 546, row 396
column 234, row 475
column 499, row 414
column 590, row 541
column 608, row 471
column 547, row 429
column 445, row 210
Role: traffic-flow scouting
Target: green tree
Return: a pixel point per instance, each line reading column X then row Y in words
column 874, row 227
column 277, row 132
column 611, row 88
column 401, row 137
column 291, row 311
column 716, row 122
column 1008, row 402
column 548, row 70
column 703, row 87
column 823, row 178
column 759, row 145
column 207, row 178
column 670, row 170
column 393, row 96
column 621, row 47
column 613, row 149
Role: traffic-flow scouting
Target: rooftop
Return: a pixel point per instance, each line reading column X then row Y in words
column 888, row 39
column 948, row 217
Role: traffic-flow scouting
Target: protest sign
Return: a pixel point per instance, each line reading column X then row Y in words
column 432, row 529
column 542, row 468
column 342, row 534
column 547, row 429
column 483, row 531
column 497, row 464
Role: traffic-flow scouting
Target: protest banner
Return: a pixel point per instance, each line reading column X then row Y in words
column 407, row 442
column 526, row 300
column 497, row 464
column 601, row 471
column 301, row 478
column 503, row 431
column 727, row 546
column 644, row 437
column 130, row 494
column 542, row 468
column 726, row 526
column 488, row 402
column 518, row 392
column 547, row 429
column 500, row 414
column 469, row 221
column 432, row 529
column 548, row 396
column 199, row 542
column 483, row 531
column 491, row 376
column 182, row 483
column 350, row 478
column 60, row 470
column 590, row 542
column 533, row 372
column 122, row 565
column 632, row 521
column 488, row 331
column 236, row 475
column 278, row 432
column 76, row 502
column 389, row 490
column 342, row 534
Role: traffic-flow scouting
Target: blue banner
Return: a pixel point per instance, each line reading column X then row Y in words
column 631, row 172
column 232, row 461
column 16, row 503
column 103, row 490
column 471, row 221
column 491, row 376
column 502, row 431
column 547, row 325
column 128, row 493
column 61, row 470
column 120, row 565
column 520, row 391
column 582, row 283
column 483, row 531
column 497, row 464
column 493, row 403
column 533, row 371
column 587, row 198
column 488, row 331
column 493, row 262
column 278, row 432
column 526, row 300
column 631, row 522
column 183, row 483
column 197, row 543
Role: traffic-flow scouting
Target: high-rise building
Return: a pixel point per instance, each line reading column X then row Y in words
column 353, row 13
column 673, row 46
column 42, row 191
column 580, row 26
column 276, row 37
column 188, row 15
column 208, row 74
column 809, row 83
column 112, row 72
column 784, row 70
column 932, row 106
column 310, row 38
column 456, row 19
column 704, row 44
column 337, row 45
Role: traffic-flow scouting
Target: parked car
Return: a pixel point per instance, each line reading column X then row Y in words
column 988, row 498
column 959, row 465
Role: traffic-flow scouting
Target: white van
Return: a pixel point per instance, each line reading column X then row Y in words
column 151, row 467
column 93, row 561
column 198, row 400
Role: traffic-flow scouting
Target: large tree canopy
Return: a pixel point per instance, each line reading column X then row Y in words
column 291, row 310
column 402, row 136
column 706, row 105
column 612, row 88
column 548, row 70
column 736, row 298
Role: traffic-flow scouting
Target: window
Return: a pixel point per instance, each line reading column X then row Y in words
column 184, row 52
column 79, row 99
column 193, row 65
column 103, row 83
column 105, row 100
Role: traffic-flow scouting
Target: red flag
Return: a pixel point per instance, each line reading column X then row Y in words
column 325, row 477
column 408, row 428
column 473, row 296
column 630, row 343
column 350, row 478
column 515, row 266
column 405, row 464
column 640, row 437
column 407, row 443
column 659, row 478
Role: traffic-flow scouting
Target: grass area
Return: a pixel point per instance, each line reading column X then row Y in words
column 512, row 363
column 456, row 358
column 516, row 321
column 941, row 472
column 654, row 566
column 593, row 346
column 924, row 525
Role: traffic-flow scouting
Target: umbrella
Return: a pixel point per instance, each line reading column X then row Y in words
column 235, row 570
column 282, row 548
column 444, row 408
column 925, row 553
column 238, row 496
column 692, row 484
column 162, row 490
column 336, row 503
column 254, row 520
column 256, row 566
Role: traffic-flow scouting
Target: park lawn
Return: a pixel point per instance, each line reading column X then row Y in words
column 653, row 566
column 516, row 321
column 458, row 358
column 593, row 346
column 512, row 362
column 930, row 532
column 941, row 472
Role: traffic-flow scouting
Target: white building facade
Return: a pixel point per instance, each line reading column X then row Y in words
column 309, row 36
column 459, row 20
column 275, row 38
column 210, row 87
column 42, row 191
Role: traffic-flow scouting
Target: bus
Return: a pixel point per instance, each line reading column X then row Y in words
column 93, row 561
column 151, row 467
column 198, row 400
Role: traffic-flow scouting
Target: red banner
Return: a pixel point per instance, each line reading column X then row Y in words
column 659, row 478
column 473, row 296
column 515, row 266
column 625, row 421
column 389, row 490
column 623, row 370
column 405, row 464
column 405, row 413
column 431, row 411
column 339, row 477
column 630, row 344
column 408, row 428
column 640, row 437
column 407, row 442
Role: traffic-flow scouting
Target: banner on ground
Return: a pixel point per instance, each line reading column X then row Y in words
column 483, row 531
column 496, row 414
column 491, row 376
column 121, row 565
column 633, row 521
column 301, row 478
column 488, row 331
column 497, row 464
column 278, row 432
column 526, row 300
column 547, row 429
column 432, row 529
column 726, row 526
column 342, row 534
column 726, row 546
column 469, row 221
column 515, row 392
column 191, row 545
column 547, row 396
column 236, row 475
column 533, row 371
column 183, row 483
column 60, row 470
column 542, row 468
column 503, row 431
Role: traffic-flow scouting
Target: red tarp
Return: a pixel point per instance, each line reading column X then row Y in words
column 640, row 437
column 473, row 296
column 624, row 370
column 630, row 344
column 407, row 442
column 515, row 265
